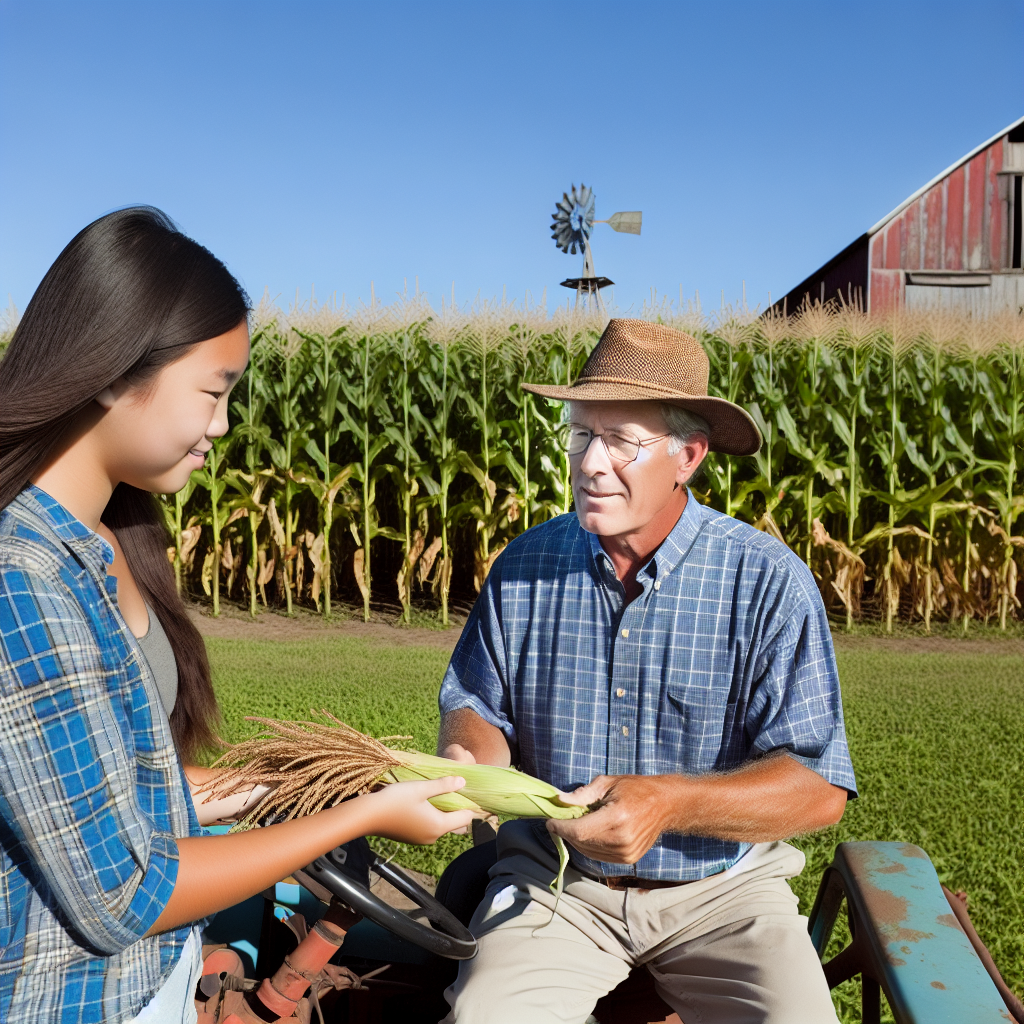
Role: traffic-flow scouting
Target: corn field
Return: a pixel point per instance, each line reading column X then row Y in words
column 385, row 455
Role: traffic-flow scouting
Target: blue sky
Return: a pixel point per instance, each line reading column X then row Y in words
column 335, row 144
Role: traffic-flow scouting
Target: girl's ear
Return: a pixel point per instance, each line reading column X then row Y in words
column 109, row 395
column 106, row 398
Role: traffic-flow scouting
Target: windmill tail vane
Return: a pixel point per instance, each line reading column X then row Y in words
column 628, row 221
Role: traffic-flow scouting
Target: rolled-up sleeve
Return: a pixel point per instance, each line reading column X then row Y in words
column 68, row 772
column 477, row 675
column 796, row 705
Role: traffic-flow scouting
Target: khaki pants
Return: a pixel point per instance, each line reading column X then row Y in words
column 728, row 948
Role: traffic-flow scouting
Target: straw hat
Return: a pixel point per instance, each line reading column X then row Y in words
column 637, row 360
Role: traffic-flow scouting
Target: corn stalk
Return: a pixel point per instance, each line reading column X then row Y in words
column 365, row 416
column 285, row 396
column 403, row 434
column 436, row 380
column 184, row 537
column 327, row 426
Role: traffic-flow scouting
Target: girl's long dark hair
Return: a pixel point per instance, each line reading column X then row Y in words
column 128, row 295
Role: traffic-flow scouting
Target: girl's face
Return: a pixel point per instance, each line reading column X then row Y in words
column 154, row 436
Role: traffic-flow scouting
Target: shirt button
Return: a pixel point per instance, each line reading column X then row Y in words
column 625, row 730
column 625, row 633
column 620, row 692
column 657, row 584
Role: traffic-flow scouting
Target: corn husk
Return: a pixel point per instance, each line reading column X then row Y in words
column 503, row 791
column 313, row 765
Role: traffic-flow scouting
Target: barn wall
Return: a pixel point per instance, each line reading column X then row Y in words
column 1005, row 291
column 960, row 223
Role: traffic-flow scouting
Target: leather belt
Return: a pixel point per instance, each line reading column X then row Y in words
column 630, row 882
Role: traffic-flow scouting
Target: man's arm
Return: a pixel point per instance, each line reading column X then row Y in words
column 466, row 737
column 773, row 798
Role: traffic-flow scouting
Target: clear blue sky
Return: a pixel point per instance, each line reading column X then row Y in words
column 331, row 144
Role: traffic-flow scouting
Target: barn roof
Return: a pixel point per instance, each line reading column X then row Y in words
column 949, row 170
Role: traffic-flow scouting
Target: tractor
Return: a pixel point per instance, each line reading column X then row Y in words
column 324, row 947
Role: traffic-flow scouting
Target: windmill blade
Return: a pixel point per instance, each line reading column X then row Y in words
column 627, row 221
column 573, row 219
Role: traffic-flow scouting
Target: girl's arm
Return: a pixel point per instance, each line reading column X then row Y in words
column 215, row 872
column 225, row 808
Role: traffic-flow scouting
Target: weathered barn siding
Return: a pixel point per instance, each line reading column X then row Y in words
column 955, row 244
column 957, row 224
column 994, row 292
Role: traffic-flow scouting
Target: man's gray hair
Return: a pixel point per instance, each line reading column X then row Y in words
column 683, row 425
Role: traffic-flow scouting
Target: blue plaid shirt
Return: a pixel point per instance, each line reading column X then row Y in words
column 726, row 655
column 92, row 794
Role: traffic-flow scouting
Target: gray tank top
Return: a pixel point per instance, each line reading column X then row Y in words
column 160, row 655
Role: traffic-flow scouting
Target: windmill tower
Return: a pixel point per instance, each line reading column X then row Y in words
column 571, row 225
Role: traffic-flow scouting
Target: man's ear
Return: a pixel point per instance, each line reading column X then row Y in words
column 691, row 455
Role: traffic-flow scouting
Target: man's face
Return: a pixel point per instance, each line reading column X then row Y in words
column 615, row 498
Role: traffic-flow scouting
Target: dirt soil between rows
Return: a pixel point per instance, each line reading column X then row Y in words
column 235, row 624
column 931, row 644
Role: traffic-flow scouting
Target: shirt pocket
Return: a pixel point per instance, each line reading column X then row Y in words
column 692, row 727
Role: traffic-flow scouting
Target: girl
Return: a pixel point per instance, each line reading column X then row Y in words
column 111, row 390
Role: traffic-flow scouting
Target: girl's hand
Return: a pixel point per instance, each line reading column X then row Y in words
column 402, row 811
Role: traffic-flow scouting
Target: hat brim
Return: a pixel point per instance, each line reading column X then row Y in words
column 733, row 430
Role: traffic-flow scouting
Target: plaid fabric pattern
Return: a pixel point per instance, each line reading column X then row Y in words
column 92, row 795
column 725, row 656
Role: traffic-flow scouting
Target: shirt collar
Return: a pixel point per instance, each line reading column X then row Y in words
column 673, row 548
column 67, row 528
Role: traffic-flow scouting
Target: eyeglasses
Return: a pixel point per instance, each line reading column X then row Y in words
column 575, row 440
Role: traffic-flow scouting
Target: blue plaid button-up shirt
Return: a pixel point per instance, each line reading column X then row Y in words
column 725, row 656
column 92, row 794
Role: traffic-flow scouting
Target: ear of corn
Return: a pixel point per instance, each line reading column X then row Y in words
column 504, row 791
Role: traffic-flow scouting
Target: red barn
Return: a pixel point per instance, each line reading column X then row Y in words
column 953, row 244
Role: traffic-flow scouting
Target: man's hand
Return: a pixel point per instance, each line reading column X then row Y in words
column 631, row 812
column 775, row 797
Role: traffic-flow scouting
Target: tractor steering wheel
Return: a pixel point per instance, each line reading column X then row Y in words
column 345, row 873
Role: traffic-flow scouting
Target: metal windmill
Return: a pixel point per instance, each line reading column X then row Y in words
column 571, row 225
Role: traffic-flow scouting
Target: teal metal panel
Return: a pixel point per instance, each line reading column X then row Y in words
column 930, row 971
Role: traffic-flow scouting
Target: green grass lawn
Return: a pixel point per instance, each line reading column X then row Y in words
column 936, row 742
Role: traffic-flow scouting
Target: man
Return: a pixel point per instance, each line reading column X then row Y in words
column 674, row 667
